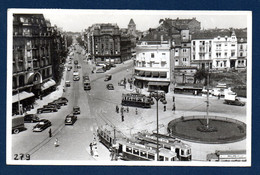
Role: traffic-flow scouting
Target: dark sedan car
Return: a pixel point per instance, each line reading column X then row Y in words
column 70, row 119
column 63, row 98
column 42, row 110
column 31, row 118
column 42, row 125
column 76, row 110
column 52, row 106
column 110, row 87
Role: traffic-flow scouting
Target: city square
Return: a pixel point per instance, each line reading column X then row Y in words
column 117, row 67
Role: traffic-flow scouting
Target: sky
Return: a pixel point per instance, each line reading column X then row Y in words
column 78, row 20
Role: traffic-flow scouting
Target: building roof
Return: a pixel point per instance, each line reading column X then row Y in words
column 131, row 22
column 155, row 35
column 213, row 33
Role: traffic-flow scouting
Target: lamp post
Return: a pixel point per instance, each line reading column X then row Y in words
column 158, row 96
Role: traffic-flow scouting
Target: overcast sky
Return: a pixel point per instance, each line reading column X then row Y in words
column 78, row 20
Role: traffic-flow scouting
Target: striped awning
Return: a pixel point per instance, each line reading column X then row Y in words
column 21, row 96
column 147, row 73
column 158, row 83
column 163, row 74
column 156, row 74
column 48, row 84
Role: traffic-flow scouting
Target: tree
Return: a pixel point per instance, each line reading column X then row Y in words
column 200, row 75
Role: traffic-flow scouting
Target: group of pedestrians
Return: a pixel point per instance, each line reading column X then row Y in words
column 122, row 110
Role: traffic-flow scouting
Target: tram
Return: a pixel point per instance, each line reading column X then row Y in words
column 128, row 149
column 182, row 150
column 136, row 100
column 227, row 156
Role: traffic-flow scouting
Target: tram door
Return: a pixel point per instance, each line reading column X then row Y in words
column 120, row 148
column 177, row 150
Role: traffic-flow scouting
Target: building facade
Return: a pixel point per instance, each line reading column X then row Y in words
column 103, row 42
column 152, row 64
column 215, row 49
column 32, row 59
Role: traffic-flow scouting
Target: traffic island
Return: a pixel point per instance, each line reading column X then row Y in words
column 210, row 130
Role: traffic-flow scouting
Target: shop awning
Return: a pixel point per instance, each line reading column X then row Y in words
column 141, row 73
column 147, row 73
column 48, row 84
column 163, row 74
column 156, row 74
column 158, row 83
column 21, row 96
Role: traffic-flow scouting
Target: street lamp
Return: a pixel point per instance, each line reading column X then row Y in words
column 158, row 96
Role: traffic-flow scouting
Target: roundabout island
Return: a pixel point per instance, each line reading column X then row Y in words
column 207, row 129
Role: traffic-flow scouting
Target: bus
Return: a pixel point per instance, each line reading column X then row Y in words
column 227, row 156
column 137, row 100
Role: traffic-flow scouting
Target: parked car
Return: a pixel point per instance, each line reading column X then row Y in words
column 76, row 78
column 42, row 110
column 70, row 119
column 31, row 118
column 57, row 106
column 60, row 102
column 76, row 62
column 110, row 87
column 69, row 68
column 108, row 77
column 76, row 110
column 64, row 99
column 100, row 70
column 42, row 125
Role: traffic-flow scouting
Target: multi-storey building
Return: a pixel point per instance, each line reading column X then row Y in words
column 32, row 58
column 103, row 42
column 241, row 49
column 216, row 49
column 152, row 64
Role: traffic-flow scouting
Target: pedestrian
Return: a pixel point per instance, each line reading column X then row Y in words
column 195, row 93
column 91, row 150
column 136, row 112
column 131, row 86
column 50, row 133
column 127, row 109
column 117, row 109
column 164, row 108
column 56, row 143
column 122, row 110
column 123, row 118
column 219, row 96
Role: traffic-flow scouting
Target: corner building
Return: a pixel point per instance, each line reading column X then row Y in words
column 103, row 42
column 152, row 64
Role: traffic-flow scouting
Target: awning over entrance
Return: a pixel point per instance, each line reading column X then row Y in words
column 48, row 84
column 147, row 74
column 141, row 73
column 155, row 83
column 21, row 96
column 156, row 74
column 163, row 74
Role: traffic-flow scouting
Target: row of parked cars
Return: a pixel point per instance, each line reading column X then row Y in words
column 53, row 106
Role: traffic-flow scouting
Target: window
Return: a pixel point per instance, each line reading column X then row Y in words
column 241, row 47
column 166, row 159
column 225, row 54
column 151, row 156
column 233, row 45
column 241, row 54
column 184, row 59
column 194, row 57
column 182, row 152
column 176, row 50
column 225, row 63
column 152, row 55
column 128, row 149
column 136, row 152
column 163, row 54
column 217, row 63
column 184, row 50
column 143, row 154
column 232, row 54
column 193, row 42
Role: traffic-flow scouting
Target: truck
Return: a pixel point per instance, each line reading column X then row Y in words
column 18, row 124
column 232, row 99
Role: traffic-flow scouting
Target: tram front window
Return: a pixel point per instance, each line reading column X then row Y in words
column 161, row 158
